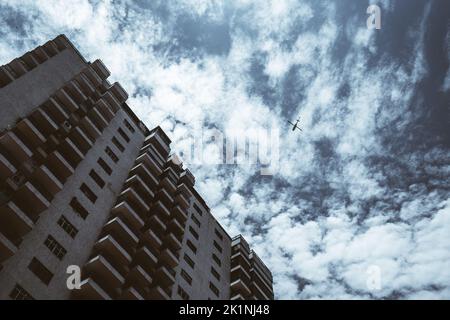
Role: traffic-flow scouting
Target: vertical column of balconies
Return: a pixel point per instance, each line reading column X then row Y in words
column 42, row 150
column 249, row 278
column 240, row 278
column 30, row 60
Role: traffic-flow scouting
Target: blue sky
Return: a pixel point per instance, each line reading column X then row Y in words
column 366, row 184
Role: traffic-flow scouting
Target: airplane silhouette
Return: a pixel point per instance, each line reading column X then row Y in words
column 295, row 126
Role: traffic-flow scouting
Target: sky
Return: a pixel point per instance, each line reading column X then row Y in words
column 358, row 205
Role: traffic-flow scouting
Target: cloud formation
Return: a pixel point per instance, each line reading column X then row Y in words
column 366, row 184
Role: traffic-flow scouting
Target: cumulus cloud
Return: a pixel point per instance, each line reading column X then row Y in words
column 365, row 185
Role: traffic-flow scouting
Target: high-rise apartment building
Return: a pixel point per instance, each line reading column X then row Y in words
column 85, row 183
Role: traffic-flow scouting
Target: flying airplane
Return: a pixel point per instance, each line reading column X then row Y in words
column 295, row 126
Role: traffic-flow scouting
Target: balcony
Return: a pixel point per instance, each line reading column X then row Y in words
column 57, row 111
column 180, row 213
column 237, row 296
column 119, row 92
column 185, row 191
column 104, row 272
column 157, row 293
column 18, row 66
column 36, row 202
column 146, row 258
column 240, row 272
column 132, row 219
column 157, row 223
column 90, row 127
column 150, row 163
column 138, row 277
column 167, row 183
column 139, row 185
column 169, row 258
column 109, row 247
column 30, row 132
column 239, row 286
column 172, row 241
column 112, row 101
column 151, row 239
column 6, row 168
column 7, row 249
column 181, row 200
column 121, row 232
column 105, row 109
column 76, row 92
column 11, row 142
column 143, row 173
column 50, row 48
column 85, row 84
column 154, row 154
column 90, row 290
column 44, row 122
column 164, row 276
column 131, row 294
column 100, row 69
column 134, row 199
column 71, row 152
column 160, row 208
column 83, row 142
column 5, row 77
column 158, row 142
column 257, row 290
column 60, row 166
column 48, row 180
column 68, row 102
column 40, row 54
column 92, row 76
column 98, row 119
column 176, row 227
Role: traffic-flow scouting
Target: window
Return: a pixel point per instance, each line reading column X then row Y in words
column 189, row 261
column 214, row 289
column 194, row 218
column 193, row 232
column 218, row 247
column 98, row 180
column 191, row 246
column 215, row 273
column 218, row 234
column 104, row 166
column 111, row 154
column 88, row 193
column 197, row 208
column 186, row 276
column 54, row 246
column 67, row 227
column 129, row 126
column 118, row 144
column 182, row 293
column 123, row 135
column 217, row 260
column 19, row 293
column 78, row 208
column 40, row 271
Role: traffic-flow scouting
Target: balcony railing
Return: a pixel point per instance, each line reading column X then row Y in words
column 158, row 293
column 113, row 250
column 130, row 216
column 131, row 294
column 48, row 180
column 30, row 132
column 151, row 239
column 102, row 271
column 239, row 286
column 121, row 232
column 169, row 258
column 60, row 166
column 164, row 277
column 90, row 290
column 15, row 146
column 7, row 248
column 6, row 168
column 139, row 277
column 146, row 258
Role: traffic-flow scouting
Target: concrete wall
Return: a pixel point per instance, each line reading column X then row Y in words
column 24, row 94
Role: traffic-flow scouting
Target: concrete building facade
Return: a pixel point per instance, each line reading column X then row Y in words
column 85, row 183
